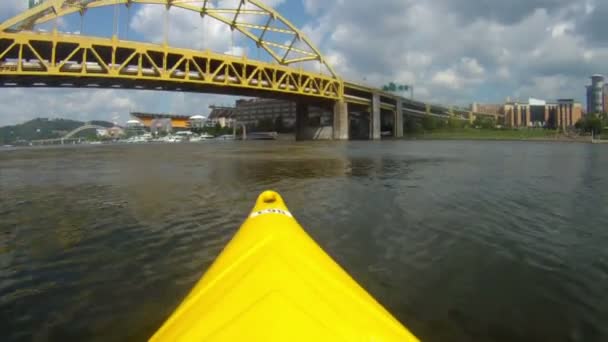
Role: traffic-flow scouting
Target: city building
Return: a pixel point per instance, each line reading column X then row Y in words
column 563, row 113
column 597, row 95
column 116, row 132
column 102, row 133
column 135, row 127
column 176, row 121
column 223, row 116
column 605, row 98
column 112, row 132
column 252, row 112
column 161, row 126
column 492, row 108
column 197, row 121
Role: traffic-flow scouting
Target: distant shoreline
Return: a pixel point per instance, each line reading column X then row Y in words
column 499, row 135
column 585, row 140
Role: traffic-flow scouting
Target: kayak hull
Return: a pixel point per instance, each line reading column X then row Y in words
column 271, row 283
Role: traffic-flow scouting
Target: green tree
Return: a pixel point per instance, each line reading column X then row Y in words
column 595, row 125
column 429, row 123
column 441, row 124
column 411, row 125
column 454, row 123
column 484, row 122
column 591, row 123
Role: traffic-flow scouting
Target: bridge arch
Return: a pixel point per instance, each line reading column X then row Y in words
column 69, row 135
column 298, row 48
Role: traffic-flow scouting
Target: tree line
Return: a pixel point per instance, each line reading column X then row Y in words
column 595, row 123
column 414, row 125
column 590, row 123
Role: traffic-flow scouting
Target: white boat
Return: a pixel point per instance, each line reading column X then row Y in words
column 225, row 137
column 202, row 137
column 137, row 140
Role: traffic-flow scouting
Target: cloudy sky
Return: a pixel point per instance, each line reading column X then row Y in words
column 452, row 51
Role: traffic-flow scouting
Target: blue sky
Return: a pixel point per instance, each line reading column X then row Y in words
column 452, row 51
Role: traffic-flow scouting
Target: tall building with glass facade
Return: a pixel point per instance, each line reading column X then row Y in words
column 597, row 94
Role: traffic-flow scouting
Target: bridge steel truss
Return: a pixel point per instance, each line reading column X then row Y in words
column 53, row 59
column 242, row 19
column 49, row 59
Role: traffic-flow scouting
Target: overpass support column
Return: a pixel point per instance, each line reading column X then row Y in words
column 518, row 116
column 341, row 120
column 301, row 120
column 375, row 118
column 398, row 129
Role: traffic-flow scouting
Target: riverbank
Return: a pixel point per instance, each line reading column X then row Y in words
column 497, row 134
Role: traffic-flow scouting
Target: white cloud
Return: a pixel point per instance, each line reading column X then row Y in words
column 560, row 29
column 503, row 73
column 9, row 8
column 314, row 6
column 548, row 87
column 186, row 29
column 105, row 104
column 77, row 104
column 236, row 51
column 487, row 55
column 471, row 67
column 448, row 78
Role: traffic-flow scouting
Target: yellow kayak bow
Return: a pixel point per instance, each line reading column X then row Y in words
column 273, row 283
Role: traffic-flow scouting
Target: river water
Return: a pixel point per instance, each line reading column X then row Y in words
column 461, row 241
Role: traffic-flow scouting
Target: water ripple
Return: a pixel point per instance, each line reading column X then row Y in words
column 460, row 240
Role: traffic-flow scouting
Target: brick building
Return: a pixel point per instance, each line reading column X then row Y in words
column 563, row 113
column 223, row 116
column 489, row 108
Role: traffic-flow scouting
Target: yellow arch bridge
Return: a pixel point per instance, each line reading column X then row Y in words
column 30, row 58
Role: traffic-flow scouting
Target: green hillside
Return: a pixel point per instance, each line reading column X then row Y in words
column 43, row 128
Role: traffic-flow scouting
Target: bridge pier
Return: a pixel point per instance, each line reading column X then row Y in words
column 312, row 121
column 301, row 121
column 398, row 129
column 341, row 120
column 375, row 122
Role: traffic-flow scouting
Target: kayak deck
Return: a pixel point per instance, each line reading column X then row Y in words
column 271, row 283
